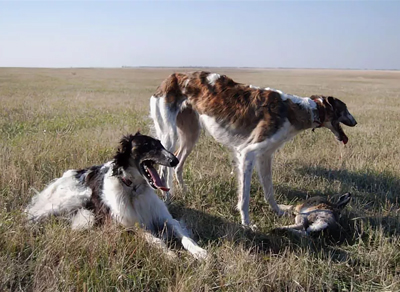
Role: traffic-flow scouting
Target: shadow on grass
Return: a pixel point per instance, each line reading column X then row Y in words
column 374, row 190
column 357, row 225
column 384, row 185
column 207, row 228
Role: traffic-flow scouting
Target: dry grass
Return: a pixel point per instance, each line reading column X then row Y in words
column 52, row 120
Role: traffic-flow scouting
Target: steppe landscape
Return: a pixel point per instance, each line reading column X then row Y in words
column 52, row 120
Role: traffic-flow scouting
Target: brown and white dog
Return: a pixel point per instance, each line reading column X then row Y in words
column 252, row 121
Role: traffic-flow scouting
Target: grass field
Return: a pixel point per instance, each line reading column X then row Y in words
column 55, row 119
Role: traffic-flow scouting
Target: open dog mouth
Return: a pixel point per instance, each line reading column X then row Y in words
column 151, row 175
column 340, row 135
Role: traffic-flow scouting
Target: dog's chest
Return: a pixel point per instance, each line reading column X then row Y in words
column 131, row 208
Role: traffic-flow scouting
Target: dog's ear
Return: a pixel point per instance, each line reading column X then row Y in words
column 338, row 106
column 343, row 200
column 124, row 151
column 331, row 101
column 116, row 170
column 133, row 140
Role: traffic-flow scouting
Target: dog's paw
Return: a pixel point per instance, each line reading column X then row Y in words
column 199, row 253
column 251, row 227
column 171, row 255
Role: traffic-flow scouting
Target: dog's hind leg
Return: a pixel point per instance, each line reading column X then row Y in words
column 188, row 131
column 164, row 118
column 245, row 167
column 264, row 169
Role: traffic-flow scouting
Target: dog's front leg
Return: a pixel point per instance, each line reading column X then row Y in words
column 159, row 243
column 264, row 169
column 245, row 167
column 189, row 244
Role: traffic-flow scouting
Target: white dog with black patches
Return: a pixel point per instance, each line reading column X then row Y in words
column 254, row 122
column 121, row 190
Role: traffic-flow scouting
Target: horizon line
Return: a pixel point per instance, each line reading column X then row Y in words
column 183, row 67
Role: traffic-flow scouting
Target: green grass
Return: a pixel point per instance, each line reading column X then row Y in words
column 56, row 119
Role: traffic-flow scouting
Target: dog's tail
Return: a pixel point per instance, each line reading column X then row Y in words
column 165, row 105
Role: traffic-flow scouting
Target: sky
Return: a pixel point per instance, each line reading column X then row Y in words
column 288, row 34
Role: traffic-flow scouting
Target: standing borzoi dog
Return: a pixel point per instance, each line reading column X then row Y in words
column 252, row 121
column 121, row 189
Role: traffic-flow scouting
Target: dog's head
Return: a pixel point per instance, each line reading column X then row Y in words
column 142, row 153
column 332, row 112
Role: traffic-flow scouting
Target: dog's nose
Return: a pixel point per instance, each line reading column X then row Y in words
column 174, row 162
column 353, row 123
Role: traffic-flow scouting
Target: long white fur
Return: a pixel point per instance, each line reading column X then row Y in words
column 166, row 131
column 128, row 207
column 247, row 153
column 63, row 195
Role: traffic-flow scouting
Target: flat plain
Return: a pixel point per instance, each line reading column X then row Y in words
column 52, row 120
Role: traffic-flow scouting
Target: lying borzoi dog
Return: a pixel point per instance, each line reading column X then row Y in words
column 252, row 121
column 121, row 190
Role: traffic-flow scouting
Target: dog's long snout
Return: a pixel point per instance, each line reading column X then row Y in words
column 171, row 159
column 349, row 120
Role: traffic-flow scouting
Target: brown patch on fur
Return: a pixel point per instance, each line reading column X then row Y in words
column 298, row 116
column 232, row 104
column 322, row 206
column 314, row 204
column 325, row 109
column 321, row 109
column 171, row 88
column 335, row 112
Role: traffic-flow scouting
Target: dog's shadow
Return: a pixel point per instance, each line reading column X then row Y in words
column 381, row 186
column 211, row 229
column 354, row 225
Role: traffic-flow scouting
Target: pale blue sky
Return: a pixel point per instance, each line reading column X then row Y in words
column 362, row 35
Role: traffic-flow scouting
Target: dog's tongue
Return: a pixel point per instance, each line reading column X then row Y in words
column 156, row 179
column 345, row 140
